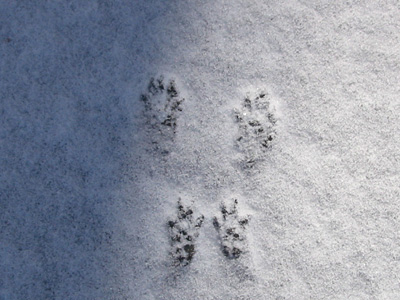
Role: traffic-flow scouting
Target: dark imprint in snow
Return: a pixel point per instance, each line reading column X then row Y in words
column 162, row 104
column 183, row 233
column 231, row 231
column 257, row 126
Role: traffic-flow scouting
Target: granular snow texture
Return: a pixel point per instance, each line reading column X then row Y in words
column 199, row 150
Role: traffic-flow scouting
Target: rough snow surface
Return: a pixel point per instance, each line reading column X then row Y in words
column 199, row 150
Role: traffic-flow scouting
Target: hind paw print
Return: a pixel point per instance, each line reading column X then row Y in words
column 162, row 104
column 256, row 128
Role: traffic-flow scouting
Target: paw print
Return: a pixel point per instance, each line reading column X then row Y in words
column 231, row 231
column 162, row 104
column 257, row 128
column 183, row 232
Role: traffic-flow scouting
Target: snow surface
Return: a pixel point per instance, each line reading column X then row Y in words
column 88, row 184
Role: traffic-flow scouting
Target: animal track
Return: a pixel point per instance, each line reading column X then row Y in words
column 231, row 231
column 257, row 128
column 183, row 233
column 162, row 104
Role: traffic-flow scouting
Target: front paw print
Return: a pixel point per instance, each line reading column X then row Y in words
column 231, row 231
column 184, row 231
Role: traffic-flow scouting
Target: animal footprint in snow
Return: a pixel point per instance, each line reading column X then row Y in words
column 257, row 128
column 162, row 104
column 231, row 231
column 183, row 232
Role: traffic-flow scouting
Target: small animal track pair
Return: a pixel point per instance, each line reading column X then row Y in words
column 184, row 231
column 255, row 118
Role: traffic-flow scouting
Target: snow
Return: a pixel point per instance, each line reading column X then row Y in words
column 90, row 179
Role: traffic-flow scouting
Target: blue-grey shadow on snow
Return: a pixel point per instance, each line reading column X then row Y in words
column 65, row 143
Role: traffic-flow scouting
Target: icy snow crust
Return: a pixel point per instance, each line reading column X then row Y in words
column 275, row 155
